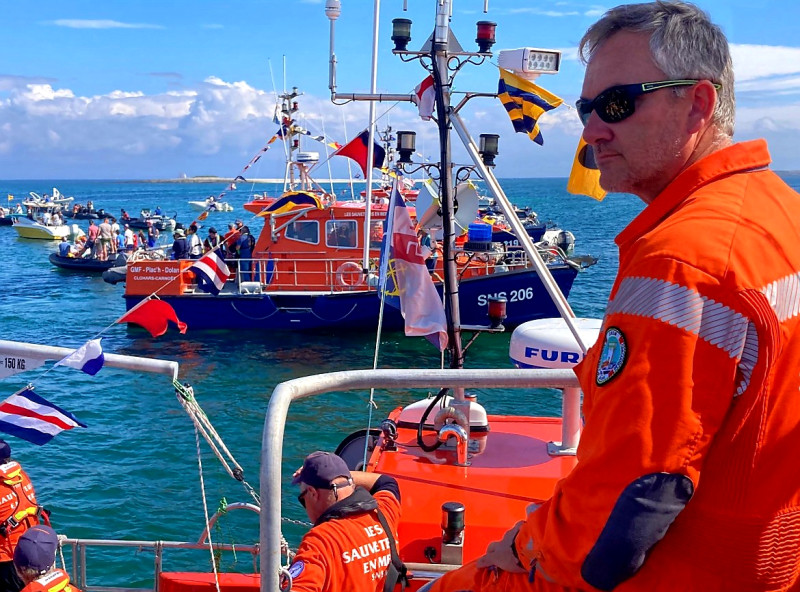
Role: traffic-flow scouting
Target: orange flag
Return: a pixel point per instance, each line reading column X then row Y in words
column 153, row 315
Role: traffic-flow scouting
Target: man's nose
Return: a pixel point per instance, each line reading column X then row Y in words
column 596, row 130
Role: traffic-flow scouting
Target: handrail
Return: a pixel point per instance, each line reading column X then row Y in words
column 325, row 278
column 271, row 477
column 43, row 353
column 78, row 573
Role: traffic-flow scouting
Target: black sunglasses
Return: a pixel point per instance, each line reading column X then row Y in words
column 302, row 498
column 617, row 103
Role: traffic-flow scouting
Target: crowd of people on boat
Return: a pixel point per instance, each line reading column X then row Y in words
column 106, row 240
column 236, row 246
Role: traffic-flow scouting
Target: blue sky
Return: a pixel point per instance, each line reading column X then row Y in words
column 135, row 90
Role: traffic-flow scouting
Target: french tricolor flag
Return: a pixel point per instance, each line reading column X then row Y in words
column 88, row 358
column 211, row 272
column 28, row 416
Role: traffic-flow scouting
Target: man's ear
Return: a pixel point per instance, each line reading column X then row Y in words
column 704, row 102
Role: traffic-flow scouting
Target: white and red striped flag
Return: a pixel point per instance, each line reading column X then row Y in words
column 420, row 303
column 425, row 98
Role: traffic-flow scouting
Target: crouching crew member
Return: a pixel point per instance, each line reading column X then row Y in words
column 18, row 512
column 352, row 545
column 35, row 560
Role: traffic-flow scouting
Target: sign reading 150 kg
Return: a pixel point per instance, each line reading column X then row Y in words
column 14, row 364
column 511, row 296
column 10, row 365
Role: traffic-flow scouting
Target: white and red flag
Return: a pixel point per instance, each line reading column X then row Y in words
column 425, row 98
column 404, row 274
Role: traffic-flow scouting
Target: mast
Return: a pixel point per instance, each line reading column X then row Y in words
column 441, row 82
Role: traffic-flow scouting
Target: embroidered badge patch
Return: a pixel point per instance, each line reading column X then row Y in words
column 296, row 569
column 613, row 355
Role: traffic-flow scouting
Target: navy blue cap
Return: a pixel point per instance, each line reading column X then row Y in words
column 36, row 549
column 320, row 469
column 5, row 450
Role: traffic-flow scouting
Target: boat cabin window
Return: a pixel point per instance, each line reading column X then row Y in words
column 341, row 233
column 375, row 234
column 306, row 231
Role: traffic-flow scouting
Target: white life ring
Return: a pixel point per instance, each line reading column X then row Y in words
column 349, row 274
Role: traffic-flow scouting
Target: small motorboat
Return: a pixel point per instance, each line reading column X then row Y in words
column 80, row 212
column 211, row 204
column 43, row 222
column 146, row 219
column 87, row 264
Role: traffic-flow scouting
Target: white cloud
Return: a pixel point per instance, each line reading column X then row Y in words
column 218, row 125
column 754, row 62
column 99, row 24
column 221, row 122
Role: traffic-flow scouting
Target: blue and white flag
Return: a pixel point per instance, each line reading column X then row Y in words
column 28, row 416
column 88, row 358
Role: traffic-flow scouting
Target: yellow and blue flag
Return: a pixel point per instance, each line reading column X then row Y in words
column 525, row 103
column 291, row 200
column 584, row 178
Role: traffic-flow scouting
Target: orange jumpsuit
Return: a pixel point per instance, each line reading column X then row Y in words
column 18, row 507
column 54, row 581
column 685, row 477
column 350, row 552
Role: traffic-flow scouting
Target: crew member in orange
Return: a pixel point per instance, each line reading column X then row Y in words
column 18, row 512
column 692, row 392
column 35, row 560
column 352, row 545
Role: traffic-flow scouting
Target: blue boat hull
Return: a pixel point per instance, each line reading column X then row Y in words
column 358, row 311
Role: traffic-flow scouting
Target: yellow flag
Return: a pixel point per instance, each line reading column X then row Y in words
column 10, row 197
column 525, row 103
column 584, row 179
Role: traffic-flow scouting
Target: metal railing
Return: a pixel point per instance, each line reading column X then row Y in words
column 329, row 275
column 79, row 576
column 271, row 478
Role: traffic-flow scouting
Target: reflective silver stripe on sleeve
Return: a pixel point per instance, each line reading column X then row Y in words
column 684, row 308
column 749, row 358
column 784, row 296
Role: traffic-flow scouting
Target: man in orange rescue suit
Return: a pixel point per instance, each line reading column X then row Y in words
column 692, row 391
column 352, row 545
column 18, row 512
column 35, row 560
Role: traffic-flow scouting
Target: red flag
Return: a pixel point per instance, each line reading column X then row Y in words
column 357, row 150
column 153, row 315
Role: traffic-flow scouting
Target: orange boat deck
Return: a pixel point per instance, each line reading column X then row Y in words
column 513, row 471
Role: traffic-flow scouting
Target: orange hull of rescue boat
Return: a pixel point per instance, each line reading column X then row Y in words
column 512, row 472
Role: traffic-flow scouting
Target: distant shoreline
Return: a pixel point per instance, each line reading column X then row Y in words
column 230, row 180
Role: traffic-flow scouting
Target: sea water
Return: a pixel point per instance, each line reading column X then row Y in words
column 134, row 472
